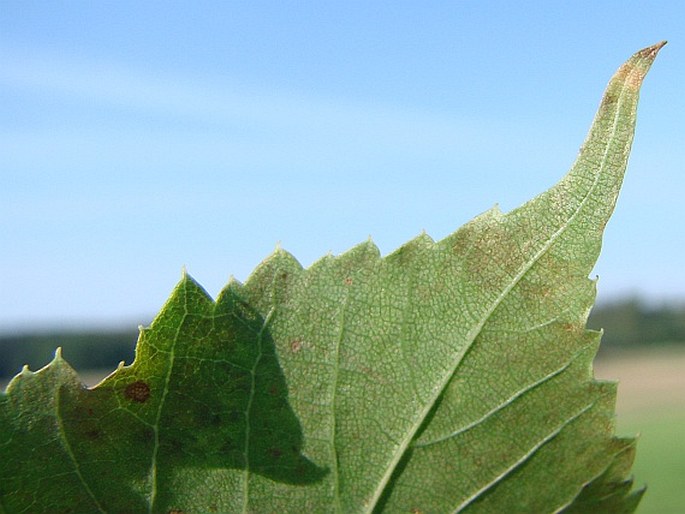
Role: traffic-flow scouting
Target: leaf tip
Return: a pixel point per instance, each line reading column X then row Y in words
column 635, row 69
column 659, row 45
column 650, row 53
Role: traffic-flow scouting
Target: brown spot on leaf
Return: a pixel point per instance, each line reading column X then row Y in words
column 416, row 510
column 138, row 391
column 348, row 281
column 296, row 346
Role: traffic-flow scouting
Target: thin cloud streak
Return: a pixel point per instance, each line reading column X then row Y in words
column 228, row 107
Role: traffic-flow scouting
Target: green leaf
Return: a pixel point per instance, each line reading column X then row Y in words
column 446, row 377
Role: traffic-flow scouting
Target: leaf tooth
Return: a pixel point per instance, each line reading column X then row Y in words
column 60, row 363
column 366, row 250
column 24, row 373
column 186, row 288
column 362, row 252
column 281, row 254
column 280, row 258
column 188, row 282
column 420, row 242
column 613, row 474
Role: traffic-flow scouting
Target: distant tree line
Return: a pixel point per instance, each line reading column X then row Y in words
column 633, row 323
column 627, row 324
column 83, row 350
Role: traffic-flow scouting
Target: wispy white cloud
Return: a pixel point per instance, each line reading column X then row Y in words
column 223, row 103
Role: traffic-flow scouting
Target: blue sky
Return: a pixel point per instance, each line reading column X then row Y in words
column 140, row 137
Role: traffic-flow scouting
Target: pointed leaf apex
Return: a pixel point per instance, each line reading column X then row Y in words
column 658, row 46
column 635, row 69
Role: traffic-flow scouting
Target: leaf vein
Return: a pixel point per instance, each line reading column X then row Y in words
column 248, row 410
column 333, row 403
column 525, row 457
column 70, row 452
column 493, row 411
column 158, row 417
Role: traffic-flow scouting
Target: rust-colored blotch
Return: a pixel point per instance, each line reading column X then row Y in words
column 138, row 391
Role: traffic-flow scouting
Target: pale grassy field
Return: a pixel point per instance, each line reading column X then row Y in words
column 651, row 403
column 649, row 380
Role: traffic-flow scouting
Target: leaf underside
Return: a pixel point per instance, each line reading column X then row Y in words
column 449, row 376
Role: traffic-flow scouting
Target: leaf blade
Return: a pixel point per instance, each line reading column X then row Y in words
column 363, row 383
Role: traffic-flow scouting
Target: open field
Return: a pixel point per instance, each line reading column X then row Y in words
column 651, row 403
column 649, row 380
column 660, row 461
